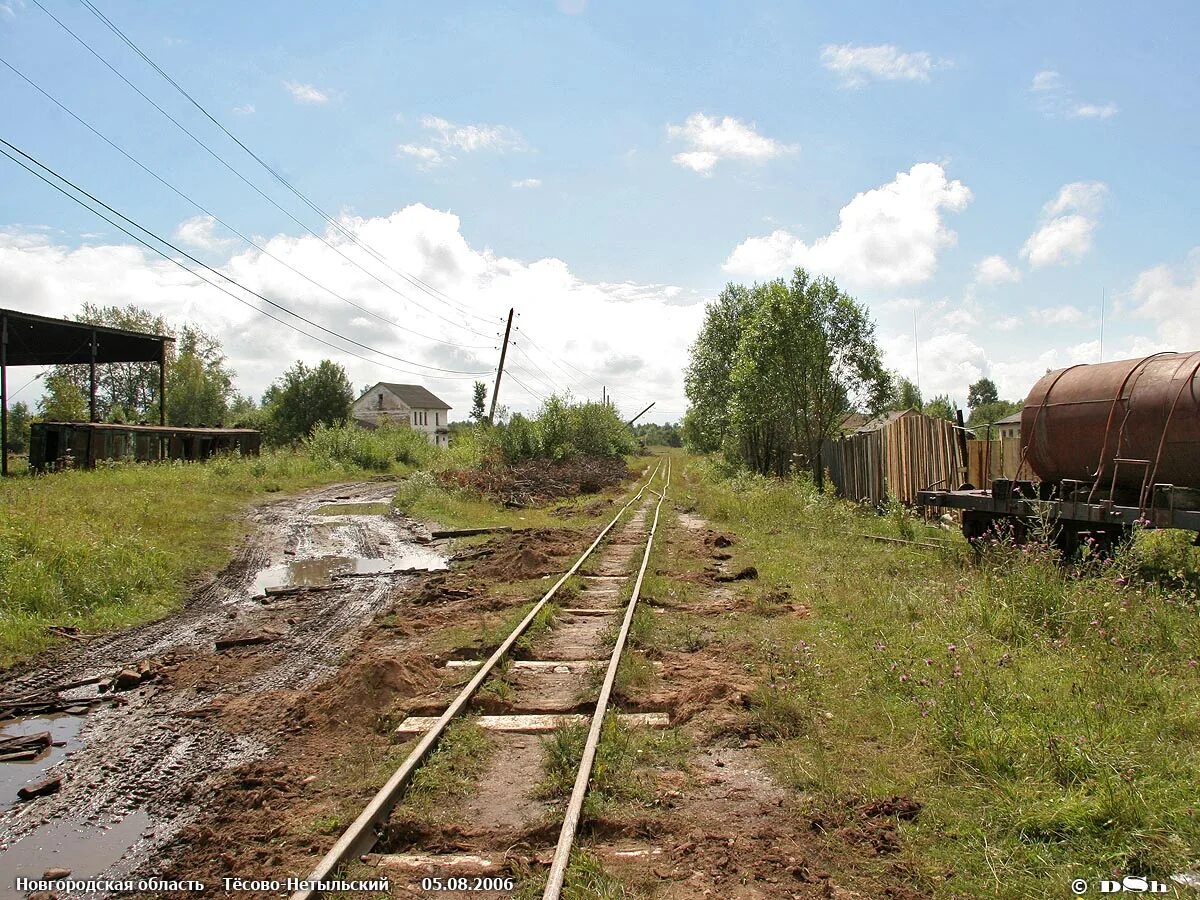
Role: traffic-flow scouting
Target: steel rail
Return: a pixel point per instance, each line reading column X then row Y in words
column 566, row 837
column 360, row 836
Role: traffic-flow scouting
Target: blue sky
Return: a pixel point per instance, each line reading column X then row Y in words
column 608, row 166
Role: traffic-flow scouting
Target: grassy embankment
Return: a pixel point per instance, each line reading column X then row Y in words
column 1046, row 717
column 122, row 544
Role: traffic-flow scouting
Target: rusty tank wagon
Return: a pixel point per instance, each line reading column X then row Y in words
column 1112, row 444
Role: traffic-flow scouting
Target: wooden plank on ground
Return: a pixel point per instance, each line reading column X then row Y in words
column 531, row 724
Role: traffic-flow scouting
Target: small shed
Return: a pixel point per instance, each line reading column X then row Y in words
column 31, row 340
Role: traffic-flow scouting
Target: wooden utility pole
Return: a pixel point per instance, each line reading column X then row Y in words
column 639, row 415
column 3, row 395
column 500, row 369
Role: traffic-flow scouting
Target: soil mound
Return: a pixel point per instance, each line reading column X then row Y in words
column 526, row 555
column 538, row 481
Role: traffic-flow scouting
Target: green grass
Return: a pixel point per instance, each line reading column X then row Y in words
column 586, row 879
column 621, row 772
column 450, row 772
column 122, row 544
column 1047, row 716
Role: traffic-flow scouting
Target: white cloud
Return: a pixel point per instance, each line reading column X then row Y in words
column 883, row 62
column 445, row 137
column 527, row 183
column 246, row 109
column 1067, row 225
column 1047, row 81
column 470, row 138
column 636, row 336
column 1056, row 315
column 427, row 157
column 1008, row 323
column 306, row 93
column 1055, row 99
column 1093, row 111
column 710, row 139
column 199, row 232
column 886, row 237
column 1169, row 296
column 949, row 360
column 9, row 8
column 996, row 270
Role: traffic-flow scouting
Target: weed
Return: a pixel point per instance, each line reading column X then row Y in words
column 451, row 771
column 1046, row 715
column 620, row 771
column 119, row 545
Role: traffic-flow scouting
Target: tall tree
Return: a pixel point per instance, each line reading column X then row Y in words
column 125, row 392
column 18, row 428
column 988, row 413
column 981, row 392
column 199, row 383
column 708, row 377
column 806, row 355
column 940, row 407
column 907, row 395
column 62, row 400
column 478, row 401
column 302, row 398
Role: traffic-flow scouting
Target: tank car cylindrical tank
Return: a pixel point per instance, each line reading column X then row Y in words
column 1078, row 422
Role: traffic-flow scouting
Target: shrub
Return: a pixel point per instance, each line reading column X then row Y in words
column 562, row 430
column 373, row 450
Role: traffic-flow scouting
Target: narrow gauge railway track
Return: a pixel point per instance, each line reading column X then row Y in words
column 548, row 693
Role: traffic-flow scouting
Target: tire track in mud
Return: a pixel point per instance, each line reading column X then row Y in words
column 147, row 752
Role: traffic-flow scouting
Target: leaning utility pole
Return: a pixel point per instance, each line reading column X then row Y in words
column 500, row 369
column 639, row 415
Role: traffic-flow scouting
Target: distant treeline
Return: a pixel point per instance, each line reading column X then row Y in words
column 654, row 435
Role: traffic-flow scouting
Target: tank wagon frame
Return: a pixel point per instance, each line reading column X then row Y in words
column 1114, row 444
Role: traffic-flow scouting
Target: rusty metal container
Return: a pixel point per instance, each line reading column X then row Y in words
column 1128, row 423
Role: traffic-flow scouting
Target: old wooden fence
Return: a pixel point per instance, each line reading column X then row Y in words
column 911, row 454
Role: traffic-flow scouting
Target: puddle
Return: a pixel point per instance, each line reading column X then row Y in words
column 321, row 571
column 15, row 775
column 87, row 850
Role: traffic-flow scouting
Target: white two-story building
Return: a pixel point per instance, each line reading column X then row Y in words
column 407, row 405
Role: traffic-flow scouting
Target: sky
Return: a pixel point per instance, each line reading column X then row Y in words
column 993, row 181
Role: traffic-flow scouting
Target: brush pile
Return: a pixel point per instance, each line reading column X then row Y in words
column 537, row 481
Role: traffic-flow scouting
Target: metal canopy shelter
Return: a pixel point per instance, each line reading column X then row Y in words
column 29, row 340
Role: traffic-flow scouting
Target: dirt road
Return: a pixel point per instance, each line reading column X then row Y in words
column 135, row 757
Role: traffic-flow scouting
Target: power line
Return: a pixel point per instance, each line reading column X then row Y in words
column 243, row 178
column 544, row 378
column 350, row 235
column 453, row 376
column 527, row 390
column 221, row 221
column 541, row 383
column 554, row 359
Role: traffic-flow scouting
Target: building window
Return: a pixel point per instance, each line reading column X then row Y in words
column 437, row 418
column 379, row 402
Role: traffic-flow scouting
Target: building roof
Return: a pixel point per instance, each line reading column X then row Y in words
column 41, row 341
column 853, row 421
column 1013, row 419
column 413, row 395
column 885, row 419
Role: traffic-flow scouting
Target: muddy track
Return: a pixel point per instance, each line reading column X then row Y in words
column 142, row 754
